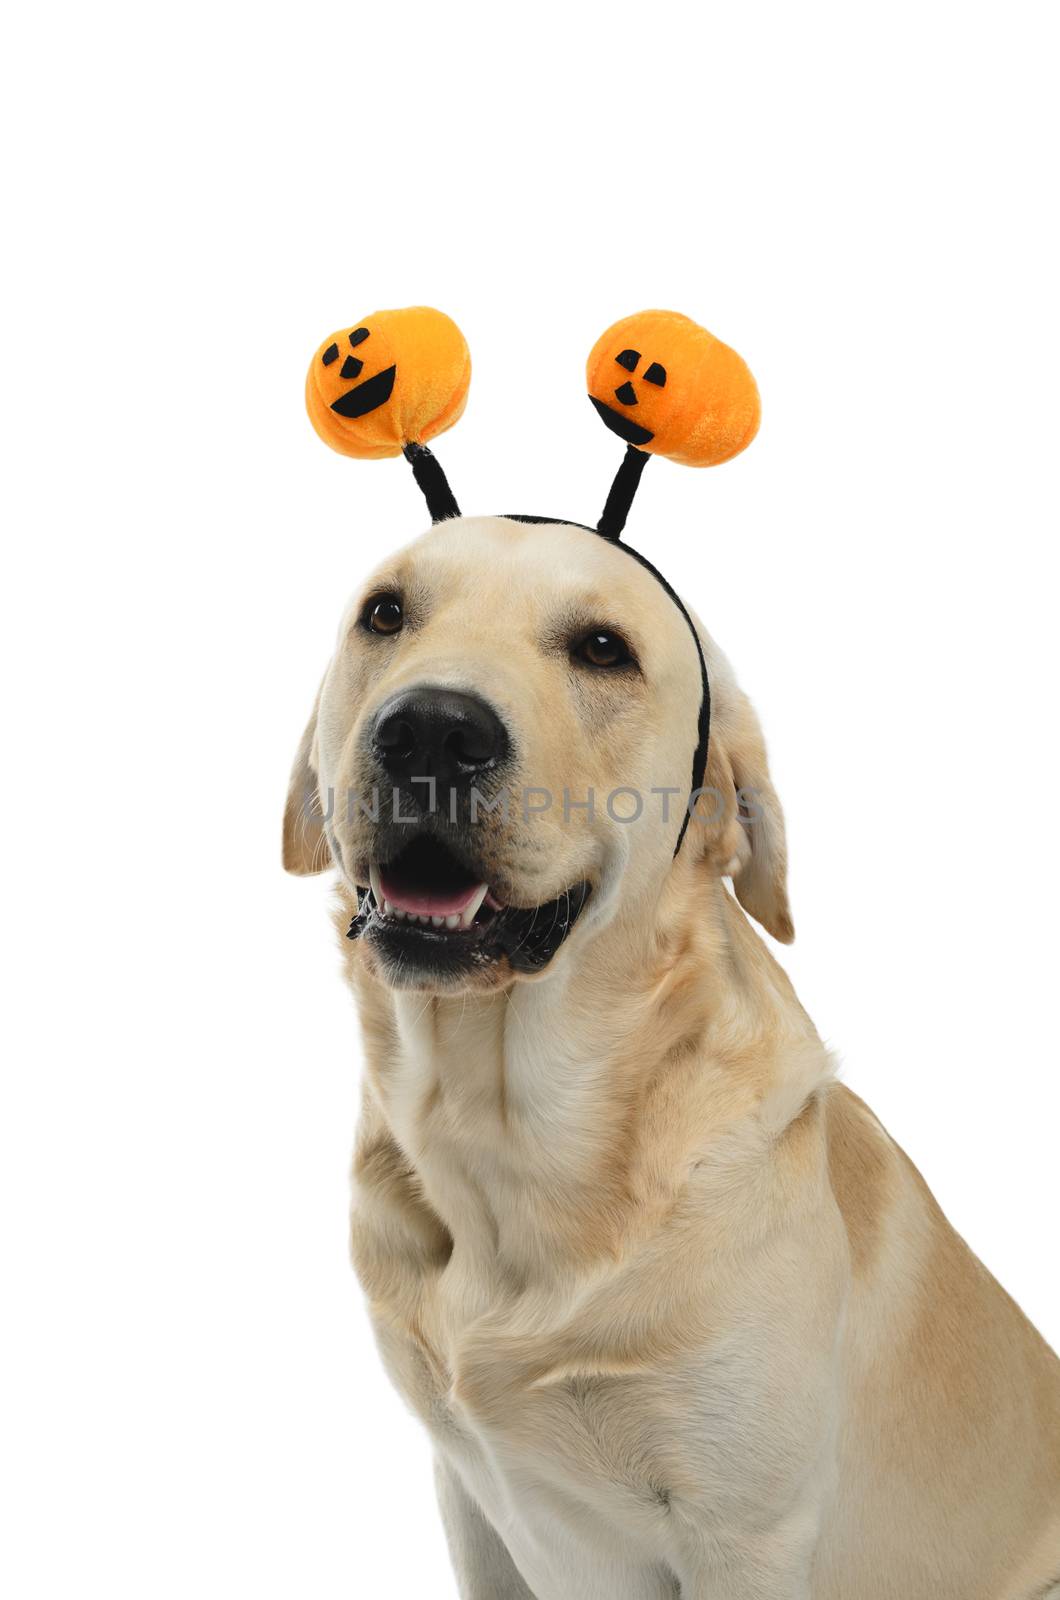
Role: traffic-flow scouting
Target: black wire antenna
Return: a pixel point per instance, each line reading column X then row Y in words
column 427, row 471
column 620, row 496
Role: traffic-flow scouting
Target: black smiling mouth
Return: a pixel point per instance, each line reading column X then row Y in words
column 367, row 396
column 424, row 946
column 625, row 427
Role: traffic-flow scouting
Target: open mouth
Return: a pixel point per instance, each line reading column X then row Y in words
column 367, row 396
column 625, row 427
column 428, row 911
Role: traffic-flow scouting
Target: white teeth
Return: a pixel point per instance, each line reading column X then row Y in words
column 386, row 908
column 467, row 916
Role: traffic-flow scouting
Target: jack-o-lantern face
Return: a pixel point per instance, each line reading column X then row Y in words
column 396, row 378
column 667, row 386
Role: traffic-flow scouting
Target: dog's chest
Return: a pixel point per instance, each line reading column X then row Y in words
column 602, row 1456
column 622, row 1454
column 613, row 1400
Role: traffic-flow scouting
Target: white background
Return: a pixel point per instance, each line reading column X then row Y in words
column 860, row 199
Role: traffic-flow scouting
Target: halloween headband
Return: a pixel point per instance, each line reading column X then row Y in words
column 663, row 384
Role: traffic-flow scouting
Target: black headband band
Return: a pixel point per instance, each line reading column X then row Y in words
column 441, row 502
column 699, row 755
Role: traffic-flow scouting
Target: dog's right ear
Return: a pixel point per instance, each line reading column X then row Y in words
column 751, row 844
column 305, row 845
column 760, row 872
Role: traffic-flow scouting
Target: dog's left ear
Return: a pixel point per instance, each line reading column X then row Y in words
column 758, row 860
column 305, row 844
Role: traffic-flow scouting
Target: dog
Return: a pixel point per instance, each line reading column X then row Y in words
column 679, row 1316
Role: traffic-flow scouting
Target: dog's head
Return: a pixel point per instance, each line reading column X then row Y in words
column 499, row 759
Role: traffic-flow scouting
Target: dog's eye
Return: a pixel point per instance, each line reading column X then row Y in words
column 602, row 648
column 383, row 614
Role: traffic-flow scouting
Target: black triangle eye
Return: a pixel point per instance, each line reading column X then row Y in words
column 656, row 374
column 628, row 359
column 358, row 336
column 330, row 354
column 351, row 367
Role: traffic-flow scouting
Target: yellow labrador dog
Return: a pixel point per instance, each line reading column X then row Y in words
column 679, row 1315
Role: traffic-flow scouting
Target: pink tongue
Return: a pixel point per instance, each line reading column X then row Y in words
column 424, row 904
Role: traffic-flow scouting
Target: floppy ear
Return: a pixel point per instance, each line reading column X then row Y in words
column 305, row 845
column 759, row 862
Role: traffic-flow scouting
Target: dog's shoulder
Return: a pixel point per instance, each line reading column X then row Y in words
column 862, row 1162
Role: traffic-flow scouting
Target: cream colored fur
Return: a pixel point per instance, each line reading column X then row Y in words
column 679, row 1315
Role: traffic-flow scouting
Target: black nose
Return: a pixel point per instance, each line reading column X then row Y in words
column 438, row 733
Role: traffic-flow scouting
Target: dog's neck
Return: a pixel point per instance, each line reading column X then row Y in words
column 524, row 1113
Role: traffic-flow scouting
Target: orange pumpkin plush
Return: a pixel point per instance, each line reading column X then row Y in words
column 395, row 379
column 667, row 386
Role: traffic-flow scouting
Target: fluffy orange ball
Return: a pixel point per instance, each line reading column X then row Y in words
column 392, row 379
column 667, row 386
